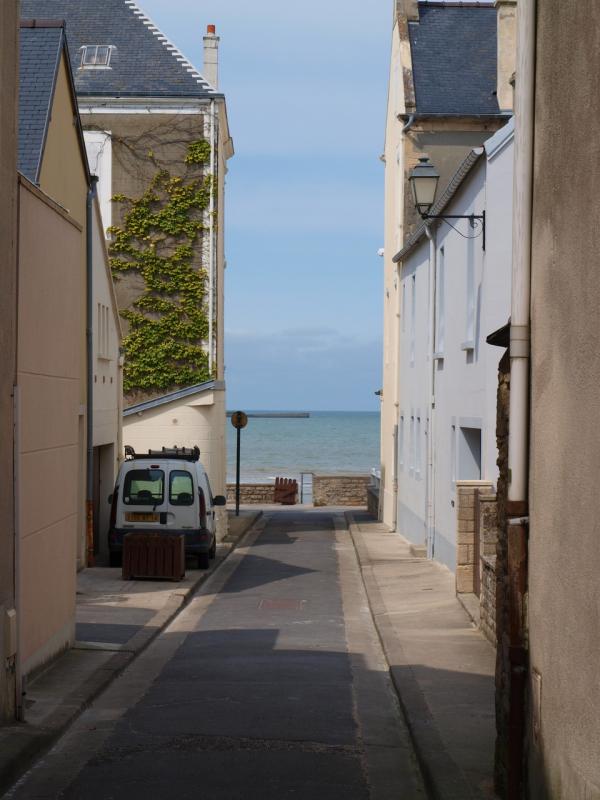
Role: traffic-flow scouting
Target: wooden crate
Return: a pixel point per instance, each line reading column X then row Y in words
column 154, row 555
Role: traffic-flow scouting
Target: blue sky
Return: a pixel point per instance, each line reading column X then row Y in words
column 306, row 87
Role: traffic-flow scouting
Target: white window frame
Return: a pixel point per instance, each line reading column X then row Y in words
column 418, row 447
column 88, row 49
column 413, row 317
column 401, row 443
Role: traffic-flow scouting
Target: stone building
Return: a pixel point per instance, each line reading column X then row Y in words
column 449, row 90
column 158, row 139
column 454, row 293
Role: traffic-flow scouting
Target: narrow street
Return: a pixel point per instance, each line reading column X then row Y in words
column 271, row 683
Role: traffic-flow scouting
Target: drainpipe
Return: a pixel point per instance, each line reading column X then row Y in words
column 518, row 458
column 430, row 485
column 89, row 503
column 211, row 245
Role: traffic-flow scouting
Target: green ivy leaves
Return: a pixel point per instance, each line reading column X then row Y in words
column 168, row 323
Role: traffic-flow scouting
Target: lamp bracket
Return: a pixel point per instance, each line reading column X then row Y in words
column 470, row 217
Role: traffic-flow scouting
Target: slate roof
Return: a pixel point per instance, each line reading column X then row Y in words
column 454, row 56
column 40, row 52
column 143, row 62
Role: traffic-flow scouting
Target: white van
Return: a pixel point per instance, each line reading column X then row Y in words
column 164, row 491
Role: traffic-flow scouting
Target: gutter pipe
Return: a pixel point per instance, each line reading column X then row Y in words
column 410, row 122
column 430, row 485
column 518, row 457
column 211, row 245
column 89, row 336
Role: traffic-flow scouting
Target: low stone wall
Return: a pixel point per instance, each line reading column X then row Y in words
column 252, row 493
column 340, row 490
column 373, row 502
column 468, row 535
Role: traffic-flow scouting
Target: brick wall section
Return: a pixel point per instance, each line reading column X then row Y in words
column 466, row 526
column 251, row 493
column 340, row 490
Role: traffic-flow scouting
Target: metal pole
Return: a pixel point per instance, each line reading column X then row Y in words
column 237, row 474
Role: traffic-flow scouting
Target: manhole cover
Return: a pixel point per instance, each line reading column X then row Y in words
column 281, row 604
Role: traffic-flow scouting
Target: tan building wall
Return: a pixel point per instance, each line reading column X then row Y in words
column 564, row 556
column 9, row 17
column 68, row 187
column 51, row 282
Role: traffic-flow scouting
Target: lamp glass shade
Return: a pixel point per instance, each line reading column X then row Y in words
column 424, row 180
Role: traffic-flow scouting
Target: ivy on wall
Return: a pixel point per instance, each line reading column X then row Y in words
column 168, row 322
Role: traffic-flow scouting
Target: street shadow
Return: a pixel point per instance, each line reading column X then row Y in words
column 255, row 571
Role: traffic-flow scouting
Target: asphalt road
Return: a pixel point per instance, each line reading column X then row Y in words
column 270, row 684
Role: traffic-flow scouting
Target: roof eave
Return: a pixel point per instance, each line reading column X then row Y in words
column 207, row 386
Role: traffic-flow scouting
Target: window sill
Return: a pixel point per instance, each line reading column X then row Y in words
column 438, row 356
column 470, row 345
column 104, row 358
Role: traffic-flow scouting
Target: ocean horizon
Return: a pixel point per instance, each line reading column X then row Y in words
column 325, row 442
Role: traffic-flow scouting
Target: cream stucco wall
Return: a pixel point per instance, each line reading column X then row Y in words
column 192, row 420
column 393, row 237
column 51, row 282
column 564, row 556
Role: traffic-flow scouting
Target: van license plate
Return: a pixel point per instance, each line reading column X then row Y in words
column 136, row 516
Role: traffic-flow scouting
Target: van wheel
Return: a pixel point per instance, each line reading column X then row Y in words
column 213, row 550
column 115, row 559
column 203, row 561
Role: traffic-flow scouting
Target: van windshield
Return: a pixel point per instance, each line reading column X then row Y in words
column 181, row 489
column 144, row 487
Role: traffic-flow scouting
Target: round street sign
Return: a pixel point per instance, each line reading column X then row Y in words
column 239, row 419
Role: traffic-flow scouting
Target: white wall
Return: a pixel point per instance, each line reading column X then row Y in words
column 98, row 145
column 472, row 300
column 412, row 393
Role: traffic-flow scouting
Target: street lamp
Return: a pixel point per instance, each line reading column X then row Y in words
column 423, row 180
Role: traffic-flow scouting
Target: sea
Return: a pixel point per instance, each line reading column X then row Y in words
column 324, row 442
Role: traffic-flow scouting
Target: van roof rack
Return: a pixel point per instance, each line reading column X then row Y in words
column 182, row 453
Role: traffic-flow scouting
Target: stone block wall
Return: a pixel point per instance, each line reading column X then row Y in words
column 340, row 490
column 467, row 533
column 487, row 598
column 488, row 540
column 252, row 493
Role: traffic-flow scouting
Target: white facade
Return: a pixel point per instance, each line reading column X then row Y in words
column 107, row 384
column 453, row 295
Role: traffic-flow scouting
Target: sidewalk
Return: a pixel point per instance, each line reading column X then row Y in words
column 442, row 666
column 115, row 621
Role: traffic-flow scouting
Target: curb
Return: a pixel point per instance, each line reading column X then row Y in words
column 443, row 778
column 23, row 744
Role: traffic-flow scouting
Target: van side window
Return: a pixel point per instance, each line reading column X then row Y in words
column 144, row 487
column 181, row 489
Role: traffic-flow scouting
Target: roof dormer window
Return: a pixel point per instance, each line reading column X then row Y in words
column 96, row 56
